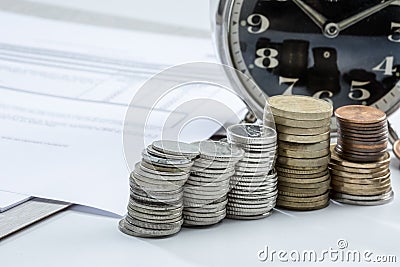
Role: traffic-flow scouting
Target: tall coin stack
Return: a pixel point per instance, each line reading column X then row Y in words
column 303, row 126
column 254, row 184
column 205, row 192
column 156, row 190
column 360, row 161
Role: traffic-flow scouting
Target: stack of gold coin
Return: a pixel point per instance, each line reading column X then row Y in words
column 360, row 162
column 362, row 133
column 303, row 126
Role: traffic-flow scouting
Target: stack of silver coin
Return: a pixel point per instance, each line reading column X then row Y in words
column 254, row 185
column 303, row 126
column 205, row 192
column 156, row 190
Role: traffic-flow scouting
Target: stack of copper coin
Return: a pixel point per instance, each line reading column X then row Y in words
column 359, row 164
column 362, row 133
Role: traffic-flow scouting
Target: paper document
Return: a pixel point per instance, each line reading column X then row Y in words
column 9, row 200
column 64, row 92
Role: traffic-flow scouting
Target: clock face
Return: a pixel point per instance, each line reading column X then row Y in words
column 345, row 52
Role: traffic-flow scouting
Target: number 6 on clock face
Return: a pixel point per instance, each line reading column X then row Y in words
column 286, row 48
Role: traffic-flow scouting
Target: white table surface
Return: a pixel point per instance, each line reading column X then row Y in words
column 76, row 238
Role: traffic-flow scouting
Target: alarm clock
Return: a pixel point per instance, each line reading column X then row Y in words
column 344, row 52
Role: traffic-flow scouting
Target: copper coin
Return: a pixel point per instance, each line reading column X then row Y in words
column 380, row 131
column 363, row 126
column 357, row 170
column 396, row 148
column 362, row 147
column 369, row 181
column 356, row 175
column 339, row 161
column 360, row 114
column 360, row 151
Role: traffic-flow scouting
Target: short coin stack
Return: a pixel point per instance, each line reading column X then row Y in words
column 303, row 126
column 156, row 196
column 205, row 192
column 254, row 184
column 360, row 161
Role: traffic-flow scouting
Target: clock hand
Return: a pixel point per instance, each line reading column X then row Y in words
column 318, row 18
column 331, row 30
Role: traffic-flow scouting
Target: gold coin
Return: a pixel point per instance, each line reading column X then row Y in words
column 303, row 154
column 304, row 199
column 307, row 176
column 304, row 193
column 361, row 192
column 322, row 184
column 285, row 190
column 301, row 131
column 304, row 139
column 300, row 107
column 304, row 147
column 302, row 123
column 371, row 165
column 316, row 162
column 300, row 170
column 302, row 206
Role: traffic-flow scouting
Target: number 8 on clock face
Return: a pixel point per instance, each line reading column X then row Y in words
column 345, row 52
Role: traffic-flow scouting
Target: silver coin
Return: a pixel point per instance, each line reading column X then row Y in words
column 166, row 162
column 252, row 187
column 221, row 176
column 159, row 173
column 213, row 164
column 200, row 172
column 209, row 183
column 156, row 153
column 259, row 155
column 254, row 178
column 203, row 190
column 244, row 191
column 272, row 148
column 219, row 150
column 149, row 232
column 172, row 200
column 252, row 201
column 156, row 185
column 161, row 196
column 264, row 160
column 176, row 148
column 211, row 204
column 206, row 180
column 272, row 195
column 155, row 175
column 191, row 221
column 188, row 195
column 157, row 212
column 151, row 225
column 160, row 207
column 240, row 216
column 205, row 209
column 251, row 134
column 167, row 168
column 248, row 212
column 154, row 217
column 203, row 215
